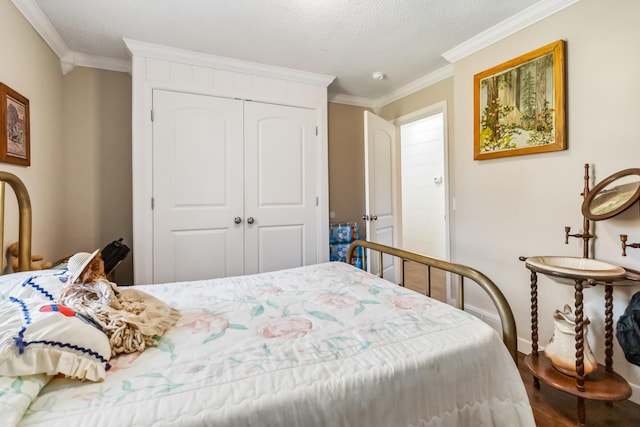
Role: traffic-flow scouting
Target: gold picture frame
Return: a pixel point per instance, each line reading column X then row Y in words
column 519, row 106
column 14, row 128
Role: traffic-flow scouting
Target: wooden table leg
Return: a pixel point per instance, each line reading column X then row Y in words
column 608, row 331
column 608, row 327
column 534, row 322
column 579, row 336
column 582, row 412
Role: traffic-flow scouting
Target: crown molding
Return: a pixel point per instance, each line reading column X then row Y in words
column 68, row 58
column 39, row 21
column 102, row 62
column 422, row 83
column 350, row 100
column 509, row 26
column 138, row 48
column 376, row 104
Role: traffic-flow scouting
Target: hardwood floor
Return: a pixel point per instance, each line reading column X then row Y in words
column 416, row 278
column 554, row 408
column 551, row 407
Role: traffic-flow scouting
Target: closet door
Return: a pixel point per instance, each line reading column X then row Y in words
column 197, row 187
column 280, row 187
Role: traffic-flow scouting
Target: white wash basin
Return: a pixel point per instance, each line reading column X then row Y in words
column 576, row 268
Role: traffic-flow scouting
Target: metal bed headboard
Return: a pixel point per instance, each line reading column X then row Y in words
column 509, row 334
column 24, row 212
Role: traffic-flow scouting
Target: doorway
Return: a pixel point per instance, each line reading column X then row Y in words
column 424, row 195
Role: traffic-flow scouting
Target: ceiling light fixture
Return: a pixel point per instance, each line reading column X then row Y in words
column 377, row 75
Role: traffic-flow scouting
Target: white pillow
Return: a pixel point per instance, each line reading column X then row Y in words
column 39, row 336
column 46, row 284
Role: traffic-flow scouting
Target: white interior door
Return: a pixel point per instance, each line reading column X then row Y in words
column 197, row 187
column 380, row 189
column 280, row 187
column 423, row 194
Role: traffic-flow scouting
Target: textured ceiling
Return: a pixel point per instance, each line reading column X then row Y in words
column 349, row 39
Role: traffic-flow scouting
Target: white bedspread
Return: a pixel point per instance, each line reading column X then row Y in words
column 323, row 345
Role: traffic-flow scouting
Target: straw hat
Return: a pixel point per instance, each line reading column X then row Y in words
column 78, row 262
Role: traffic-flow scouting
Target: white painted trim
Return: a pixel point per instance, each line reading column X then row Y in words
column 635, row 393
column 40, row 22
column 102, row 62
column 75, row 59
column 509, row 26
column 488, row 318
column 376, row 104
column 422, row 83
column 68, row 58
column 351, row 100
column 524, row 346
column 150, row 50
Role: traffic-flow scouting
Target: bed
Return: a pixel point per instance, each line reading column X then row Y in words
column 320, row 345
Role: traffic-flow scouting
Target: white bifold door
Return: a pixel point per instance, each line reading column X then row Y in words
column 234, row 187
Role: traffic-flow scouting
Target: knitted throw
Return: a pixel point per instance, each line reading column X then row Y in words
column 130, row 318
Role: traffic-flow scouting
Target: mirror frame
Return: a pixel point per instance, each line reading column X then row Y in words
column 604, row 183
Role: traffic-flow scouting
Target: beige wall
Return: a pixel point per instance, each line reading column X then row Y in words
column 517, row 206
column 31, row 68
column 346, row 147
column 504, row 207
column 97, row 135
column 79, row 180
column 346, row 164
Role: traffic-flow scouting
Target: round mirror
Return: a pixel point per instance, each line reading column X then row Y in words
column 613, row 195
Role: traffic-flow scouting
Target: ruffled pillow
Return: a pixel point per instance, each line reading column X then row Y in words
column 44, row 285
column 39, row 336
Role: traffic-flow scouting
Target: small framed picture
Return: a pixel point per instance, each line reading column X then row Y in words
column 14, row 129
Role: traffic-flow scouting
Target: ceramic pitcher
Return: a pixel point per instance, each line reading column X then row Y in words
column 561, row 350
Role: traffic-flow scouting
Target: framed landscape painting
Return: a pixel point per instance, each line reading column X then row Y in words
column 519, row 105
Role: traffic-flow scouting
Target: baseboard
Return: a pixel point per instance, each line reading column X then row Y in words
column 488, row 318
column 524, row 346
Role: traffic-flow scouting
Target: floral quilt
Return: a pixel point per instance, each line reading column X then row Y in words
column 322, row 345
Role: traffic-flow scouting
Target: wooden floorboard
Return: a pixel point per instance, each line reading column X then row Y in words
column 416, row 278
column 551, row 407
column 554, row 408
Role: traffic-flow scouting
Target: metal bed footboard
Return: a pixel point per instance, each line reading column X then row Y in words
column 509, row 334
column 24, row 212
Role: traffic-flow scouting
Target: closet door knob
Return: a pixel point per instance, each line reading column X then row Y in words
column 237, row 220
column 250, row 220
column 374, row 217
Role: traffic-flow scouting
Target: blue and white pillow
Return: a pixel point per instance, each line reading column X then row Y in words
column 39, row 336
column 45, row 285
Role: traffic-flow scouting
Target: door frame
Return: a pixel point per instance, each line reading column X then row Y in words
column 439, row 107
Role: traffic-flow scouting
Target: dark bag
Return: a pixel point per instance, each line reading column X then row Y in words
column 113, row 253
column 628, row 330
